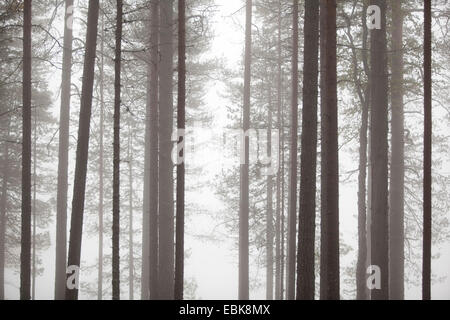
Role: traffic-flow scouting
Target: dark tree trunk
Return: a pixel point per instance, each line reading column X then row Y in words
column 153, row 156
column 244, row 178
column 307, row 216
column 290, row 273
column 329, row 256
column 181, row 120
column 64, row 124
column 379, row 153
column 25, row 249
column 166, row 214
column 116, row 160
column 3, row 207
column 397, row 182
column 427, row 154
column 76, row 229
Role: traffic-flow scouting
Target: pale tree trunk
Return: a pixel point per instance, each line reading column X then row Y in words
column 3, row 208
column 116, row 159
column 153, row 182
column 130, row 217
column 397, row 181
column 63, row 156
column 181, row 122
column 166, row 214
column 269, row 215
column 79, row 188
column 329, row 255
column 244, row 172
column 282, row 224
column 292, row 221
column 427, row 154
column 101, row 165
column 25, row 248
column 33, row 278
column 307, row 202
column 379, row 153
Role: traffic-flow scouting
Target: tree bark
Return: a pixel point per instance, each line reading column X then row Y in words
column 291, row 256
column 166, row 214
column 244, row 172
column 379, row 153
column 130, row 217
column 153, row 182
column 397, row 181
column 25, row 250
column 116, row 159
column 181, row 121
column 76, row 230
column 329, row 256
column 427, row 154
column 3, row 208
column 63, row 161
column 307, row 201
column 269, row 215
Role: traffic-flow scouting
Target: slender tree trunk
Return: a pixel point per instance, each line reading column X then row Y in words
column 33, row 278
column 153, row 156
column 427, row 154
column 244, row 179
column 181, row 121
column 63, row 161
column 25, row 250
column 278, row 229
column 269, row 214
column 307, row 217
column 379, row 153
column 291, row 256
column 282, row 224
column 396, row 189
column 361, row 267
column 76, row 229
column 3, row 207
column 130, row 218
column 101, row 166
column 166, row 214
column 329, row 276
column 116, row 160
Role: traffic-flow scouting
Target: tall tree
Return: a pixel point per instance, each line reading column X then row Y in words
column 181, row 121
column 379, row 152
column 3, row 207
column 153, row 144
column 329, row 255
column 166, row 214
column 64, row 123
column 130, row 215
column 290, row 273
column 427, row 154
column 397, row 179
column 25, row 252
column 307, row 214
column 269, row 213
column 76, row 229
column 244, row 179
column 116, row 160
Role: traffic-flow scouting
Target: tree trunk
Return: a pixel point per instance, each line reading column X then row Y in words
column 329, row 256
column 116, row 160
column 379, row 153
column 25, row 250
column 130, row 218
column 427, row 154
column 33, row 276
column 100, row 166
column 3, row 208
column 153, row 182
column 269, row 215
column 293, row 162
column 166, row 214
column 363, row 93
column 396, row 189
column 181, row 121
column 307, row 202
column 76, row 229
column 63, row 161
column 244, row 179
